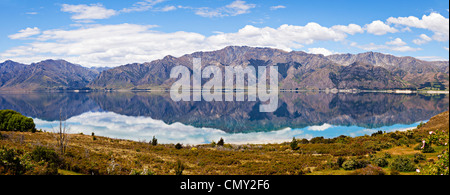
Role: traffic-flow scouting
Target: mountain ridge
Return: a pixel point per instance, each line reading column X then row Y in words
column 45, row 75
column 298, row 70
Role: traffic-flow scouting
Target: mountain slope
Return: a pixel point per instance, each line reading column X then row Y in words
column 365, row 76
column 45, row 75
column 157, row 73
column 411, row 70
column 391, row 63
column 298, row 70
column 8, row 71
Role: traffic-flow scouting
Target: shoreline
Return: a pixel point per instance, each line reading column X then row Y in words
column 333, row 91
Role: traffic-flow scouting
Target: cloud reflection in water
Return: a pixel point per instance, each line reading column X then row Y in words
column 114, row 125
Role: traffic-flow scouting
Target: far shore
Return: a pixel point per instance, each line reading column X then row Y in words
column 159, row 90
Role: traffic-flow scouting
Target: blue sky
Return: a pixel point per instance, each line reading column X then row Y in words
column 112, row 33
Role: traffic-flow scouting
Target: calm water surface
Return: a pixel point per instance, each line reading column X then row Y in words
column 141, row 115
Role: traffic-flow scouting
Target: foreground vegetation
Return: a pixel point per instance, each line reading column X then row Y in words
column 13, row 121
column 420, row 151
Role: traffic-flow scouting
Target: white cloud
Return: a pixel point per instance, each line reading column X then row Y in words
column 406, row 29
column 142, row 6
column 434, row 22
column 350, row 29
column 167, row 8
column 32, row 13
column 25, row 33
column 404, row 48
column 88, row 12
column 379, row 28
column 397, row 42
column 423, row 39
column 431, row 58
column 320, row 50
column 237, row 7
column 446, row 48
column 286, row 37
column 208, row 12
column 320, row 128
column 375, row 47
column 113, row 45
column 277, row 7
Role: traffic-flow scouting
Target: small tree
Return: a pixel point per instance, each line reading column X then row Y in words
column 220, row 142
column 154, row 141
column 294, row 144
column 178, row 146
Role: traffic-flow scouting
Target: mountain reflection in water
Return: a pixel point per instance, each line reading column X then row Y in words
column 141, row 115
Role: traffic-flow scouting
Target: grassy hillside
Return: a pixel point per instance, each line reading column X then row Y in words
column 380, row 153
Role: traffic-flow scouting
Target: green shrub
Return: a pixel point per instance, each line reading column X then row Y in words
column 221, row 142
column 340, row 161
column 395, row 136
column 304, row 141
column 322, row 140
column 427, row 149
column 377, row 133
column 353, row 164
column 41, row 153
column 410, row 134
column 362, row 163
column 381, row 162
column 178, row 146
column 419, row 157
column 420, row 125
column 13, row 121
column 11, row 162
column 154, row 141
column 349, row 165
column 402, row 164
column 294, row 144
column 418, row 147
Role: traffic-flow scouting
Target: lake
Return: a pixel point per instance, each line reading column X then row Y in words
column 141, row 115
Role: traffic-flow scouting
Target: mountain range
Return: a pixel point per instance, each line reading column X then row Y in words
column 297, row 70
